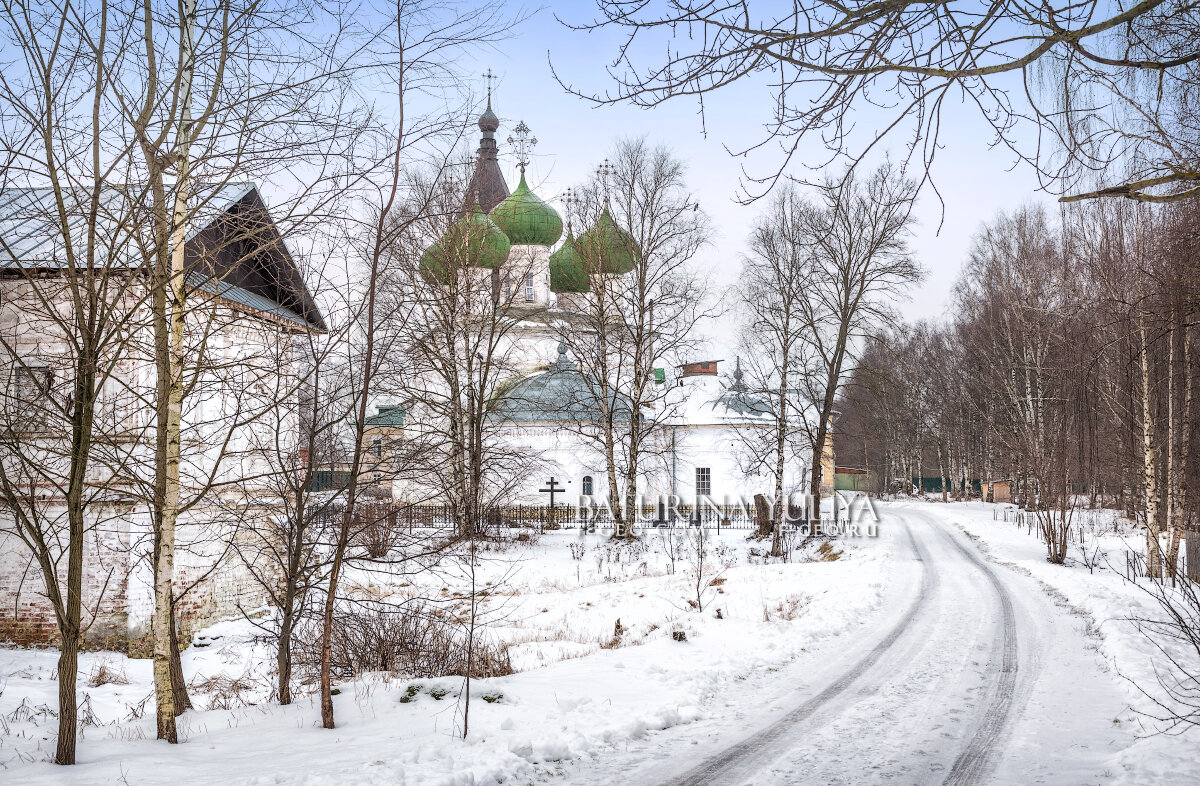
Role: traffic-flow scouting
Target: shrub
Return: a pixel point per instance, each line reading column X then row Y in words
column 414, row 639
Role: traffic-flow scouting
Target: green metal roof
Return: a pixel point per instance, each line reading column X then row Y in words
column 472, row 241
column 526, row 219
column 607, row 248
column 568, row 271
column 561, row 394
column 387, row 416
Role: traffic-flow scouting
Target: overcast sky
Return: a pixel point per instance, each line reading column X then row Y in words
column 573, row 135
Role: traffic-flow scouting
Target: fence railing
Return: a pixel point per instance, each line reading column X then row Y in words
column 544, row 517
column 1088, row 524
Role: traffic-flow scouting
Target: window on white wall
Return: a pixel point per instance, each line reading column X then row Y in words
column 529, row 287
column 587, row 485
column 33, row 382
column 703, row 481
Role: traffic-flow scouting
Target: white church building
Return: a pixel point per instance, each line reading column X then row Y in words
column 703, row 413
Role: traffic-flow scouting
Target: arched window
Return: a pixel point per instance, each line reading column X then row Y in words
column 587, row 485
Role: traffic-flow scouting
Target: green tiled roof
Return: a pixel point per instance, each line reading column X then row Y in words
column 472, row 241
column 568, row 271
column 387, row 416
column 606, row 248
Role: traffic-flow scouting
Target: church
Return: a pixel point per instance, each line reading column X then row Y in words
column 547, row 409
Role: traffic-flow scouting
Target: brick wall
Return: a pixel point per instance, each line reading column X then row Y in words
column 118, row 581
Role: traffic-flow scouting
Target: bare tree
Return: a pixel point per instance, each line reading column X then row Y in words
column 66, row 322
column 429, row 39
column 1106, row 86
column 858, row 245
column 458, row 355
column 775, row 281
column 642, row 308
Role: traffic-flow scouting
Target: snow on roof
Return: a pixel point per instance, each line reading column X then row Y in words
column 704, row 400
column 36, row 233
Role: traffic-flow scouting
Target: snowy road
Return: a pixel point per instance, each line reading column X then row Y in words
column 961, row 679
column 944, row 651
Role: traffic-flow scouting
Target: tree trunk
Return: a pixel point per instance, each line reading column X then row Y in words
column 170, row 367
column 283, row 650
column 1186, row 518
column 942, row 471
column 781, row 430
column 178, row 684
column 1149, row 460
column 68, row 712
column 327, row 634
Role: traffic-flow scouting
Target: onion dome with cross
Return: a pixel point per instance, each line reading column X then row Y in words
column 472, row 241
column 606, row 248
column 523, row 216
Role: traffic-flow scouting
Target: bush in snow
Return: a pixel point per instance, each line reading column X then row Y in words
column 414, row 639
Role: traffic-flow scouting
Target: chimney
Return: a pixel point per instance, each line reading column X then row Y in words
column 701, row 368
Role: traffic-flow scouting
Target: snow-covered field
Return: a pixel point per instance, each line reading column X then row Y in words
column 574, row 694
column 882, row 665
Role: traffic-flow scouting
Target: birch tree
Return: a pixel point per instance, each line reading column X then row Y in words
column 643, row 307
column 775, row 281
column 860, row 263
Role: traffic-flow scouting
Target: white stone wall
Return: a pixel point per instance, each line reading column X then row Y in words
column 231, row 417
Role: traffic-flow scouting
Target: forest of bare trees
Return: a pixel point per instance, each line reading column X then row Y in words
column 1067, row 366
column 133, row 392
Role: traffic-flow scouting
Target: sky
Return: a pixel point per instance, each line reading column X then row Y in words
column 975, row 180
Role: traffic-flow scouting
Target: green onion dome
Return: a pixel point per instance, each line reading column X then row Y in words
column 607, row 248
column 568, row 271
column 434, row 267
column 526, row 219
column 472, row 241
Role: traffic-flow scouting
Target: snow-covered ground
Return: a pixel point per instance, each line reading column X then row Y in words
column 923, row 655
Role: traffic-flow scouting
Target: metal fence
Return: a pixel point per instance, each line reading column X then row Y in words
column 544, row 517
column 1089, row 524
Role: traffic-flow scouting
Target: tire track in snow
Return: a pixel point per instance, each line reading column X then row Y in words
column 735, row 764
column 973, row 763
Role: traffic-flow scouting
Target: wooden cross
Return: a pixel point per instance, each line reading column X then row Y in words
column 552, row 488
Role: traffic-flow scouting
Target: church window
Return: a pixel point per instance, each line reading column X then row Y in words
column 587, row 485
column 529, row 287
column 703, row 481
column 33, row 382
